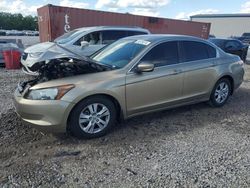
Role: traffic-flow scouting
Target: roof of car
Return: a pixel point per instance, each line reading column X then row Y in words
column 160, row 37
column 223, row 39
column 113, row 27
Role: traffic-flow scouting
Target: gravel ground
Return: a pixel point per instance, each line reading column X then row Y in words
column 191, row 146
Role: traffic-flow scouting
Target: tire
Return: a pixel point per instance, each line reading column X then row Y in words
column 220, row 93
column 92, row 118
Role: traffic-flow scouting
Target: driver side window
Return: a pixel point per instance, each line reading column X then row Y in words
column 163, row 54
column 92, row 38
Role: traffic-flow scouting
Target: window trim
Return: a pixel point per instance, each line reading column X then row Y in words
column 163, row 43
column 131, row 70
column 139, row 33
column 182, row 56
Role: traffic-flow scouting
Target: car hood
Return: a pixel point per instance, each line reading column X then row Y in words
column 83, row 79
column 48, row 51
column 38, row 48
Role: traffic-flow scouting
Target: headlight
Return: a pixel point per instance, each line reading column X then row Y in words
column 35, row 55
column 53, row 93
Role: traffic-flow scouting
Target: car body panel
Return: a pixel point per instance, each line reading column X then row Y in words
column 55, row 51
column 199, row 77
column 52, row 119
column 136, row 93
column 141, row 89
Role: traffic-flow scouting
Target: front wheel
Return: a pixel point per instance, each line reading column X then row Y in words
column 92, row 117
column 220, row 93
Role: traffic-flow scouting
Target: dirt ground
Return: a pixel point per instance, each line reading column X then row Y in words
column 191, row 146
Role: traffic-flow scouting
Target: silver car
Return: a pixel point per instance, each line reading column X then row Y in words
column 75, row 44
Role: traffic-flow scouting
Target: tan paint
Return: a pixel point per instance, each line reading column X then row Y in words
column 137, row 93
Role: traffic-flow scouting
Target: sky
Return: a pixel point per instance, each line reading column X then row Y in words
column 179, row 9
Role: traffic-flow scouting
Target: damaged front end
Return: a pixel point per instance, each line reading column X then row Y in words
column 60, row 65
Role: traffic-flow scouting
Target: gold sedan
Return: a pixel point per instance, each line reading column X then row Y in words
column 146, row 73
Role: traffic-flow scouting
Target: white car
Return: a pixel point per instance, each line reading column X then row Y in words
column 76, row 44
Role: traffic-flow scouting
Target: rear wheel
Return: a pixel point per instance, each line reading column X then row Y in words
column 220, row 93
column 92, row 117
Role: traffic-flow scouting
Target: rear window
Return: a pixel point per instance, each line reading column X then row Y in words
column 193, row 51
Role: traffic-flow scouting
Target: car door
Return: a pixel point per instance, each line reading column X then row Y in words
column 199, row 68
column 155, row 90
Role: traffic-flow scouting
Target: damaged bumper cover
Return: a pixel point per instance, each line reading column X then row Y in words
column 32, row 60
column 47, row 116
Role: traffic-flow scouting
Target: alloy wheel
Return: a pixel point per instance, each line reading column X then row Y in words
column 221, row 92
column 94, row 118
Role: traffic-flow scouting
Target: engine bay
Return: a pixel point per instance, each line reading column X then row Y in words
column 60, row 68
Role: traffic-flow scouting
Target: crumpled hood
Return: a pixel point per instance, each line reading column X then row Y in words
column 82, row 79
column 47, row 51
column 38, row 48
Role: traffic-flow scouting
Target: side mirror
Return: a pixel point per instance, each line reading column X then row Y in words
column 84, row 44
column 145, row 67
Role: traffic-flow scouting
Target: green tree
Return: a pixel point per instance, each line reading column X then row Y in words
column 10, row 21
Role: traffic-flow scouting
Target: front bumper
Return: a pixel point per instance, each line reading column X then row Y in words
column 26, row 69
column 48, row 116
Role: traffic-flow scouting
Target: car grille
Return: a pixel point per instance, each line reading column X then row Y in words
column 24, row 56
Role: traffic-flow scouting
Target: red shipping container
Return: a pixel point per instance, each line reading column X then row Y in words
column 12, row 59
column 55, row 20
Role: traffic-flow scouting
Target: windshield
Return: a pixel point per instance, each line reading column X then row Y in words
column 120, row 53
column 68, row 36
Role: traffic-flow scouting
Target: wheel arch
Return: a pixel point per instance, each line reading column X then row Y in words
column 120, row 113
column 230, row 78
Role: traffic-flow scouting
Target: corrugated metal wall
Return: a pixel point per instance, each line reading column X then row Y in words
column 227, row 26
column 56, row 20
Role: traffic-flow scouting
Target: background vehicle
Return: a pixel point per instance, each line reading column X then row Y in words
column 245, row 38
column 211, row 36
column 83, row 41
column 132, row 76
column 232, row 46
column 2, row 33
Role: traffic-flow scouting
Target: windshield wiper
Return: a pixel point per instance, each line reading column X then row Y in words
column 100, row 64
